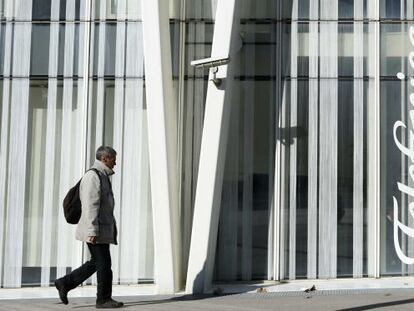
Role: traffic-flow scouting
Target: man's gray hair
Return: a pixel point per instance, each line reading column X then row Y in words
column 105, row 151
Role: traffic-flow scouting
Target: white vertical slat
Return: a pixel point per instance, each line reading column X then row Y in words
column 134, row 9
column 294, row 42
column 146, row 260
column 16, row 183
column 410, row 9
column 81, row 121
column 162, row 138
column 9, row 9
column 32, row 231
column 54, row 11
column 313, row 139
column 118, row 126
column 78, row 142
column 65, row 234
column 19, row 110
column 48, row 195
column 131, row 191
column 22, row 10
column 212, row 160
column 70, row 10
column 273, row 158
column 132, row 159
column 248, row 170
column 100, row 92
column 284, row 187
column 83, row 69
column 67, row 253
column 4, row 141
column 358, row 191
column 72, row 253
column 118, row 143
column 277, row 189
column 328, row 173
column 373, row 140
column 90, row 95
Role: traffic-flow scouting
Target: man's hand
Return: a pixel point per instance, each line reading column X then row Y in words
column 92, row 239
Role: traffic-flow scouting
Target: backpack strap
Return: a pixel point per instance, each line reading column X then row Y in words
column 97, row 173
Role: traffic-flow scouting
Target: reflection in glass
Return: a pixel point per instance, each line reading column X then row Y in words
column 323, row 139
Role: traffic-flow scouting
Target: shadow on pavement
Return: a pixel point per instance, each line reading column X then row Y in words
column 161, row 301
column 379, row 305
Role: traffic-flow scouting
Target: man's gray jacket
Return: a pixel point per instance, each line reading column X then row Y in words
column 98, row 203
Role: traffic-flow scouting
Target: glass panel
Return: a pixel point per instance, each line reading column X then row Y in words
column 53, row 125
column 107, row 37
column 118, row 118
column 302, row 9
column 201, row 9
column 41, row 10
column 323, row 143
column 39, row 63
column 395, row 46
column 116, row 10
column 243, row 237
column 397, row 250
column 264, row 9
column 390, row 9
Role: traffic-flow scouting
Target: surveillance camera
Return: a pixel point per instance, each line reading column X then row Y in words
column 210, row 62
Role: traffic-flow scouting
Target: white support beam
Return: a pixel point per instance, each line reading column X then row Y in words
column 162, row 139
column 212, row 155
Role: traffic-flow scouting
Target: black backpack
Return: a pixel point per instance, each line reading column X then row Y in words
column 72, row 207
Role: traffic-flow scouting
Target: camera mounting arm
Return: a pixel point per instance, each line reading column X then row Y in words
column 213, row 63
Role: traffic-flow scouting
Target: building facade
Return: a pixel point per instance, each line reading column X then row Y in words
column 298, row 165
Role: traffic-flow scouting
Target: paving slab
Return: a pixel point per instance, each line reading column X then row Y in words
column 340, row 300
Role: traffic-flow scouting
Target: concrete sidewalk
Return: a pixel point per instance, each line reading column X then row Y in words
column 341, row 300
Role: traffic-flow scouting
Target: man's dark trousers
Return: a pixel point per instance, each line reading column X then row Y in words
column 100, row 262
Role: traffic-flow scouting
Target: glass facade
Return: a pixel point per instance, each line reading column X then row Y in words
column 72, row 83
column 295, row 197
column 326, row 79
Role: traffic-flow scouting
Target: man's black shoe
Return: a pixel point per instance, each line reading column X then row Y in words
column 109, row 304
column 62, row 290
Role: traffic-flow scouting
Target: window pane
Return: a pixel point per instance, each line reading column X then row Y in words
column 396, row 131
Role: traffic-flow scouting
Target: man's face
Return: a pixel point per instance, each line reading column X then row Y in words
column 109, row 161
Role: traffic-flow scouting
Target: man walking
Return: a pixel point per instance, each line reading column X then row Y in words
column 96, row 227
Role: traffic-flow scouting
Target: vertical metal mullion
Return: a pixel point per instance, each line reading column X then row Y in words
column 272, row 195
column 277, row 166
column 86, row 54
column 313, row 140
column 374, row 151
column 377, row 150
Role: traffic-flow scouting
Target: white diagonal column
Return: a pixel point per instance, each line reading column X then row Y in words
column 162, row 133
column 212, row 155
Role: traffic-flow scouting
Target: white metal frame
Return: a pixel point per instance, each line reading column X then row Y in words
column 162, row 131
column 212, row 155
